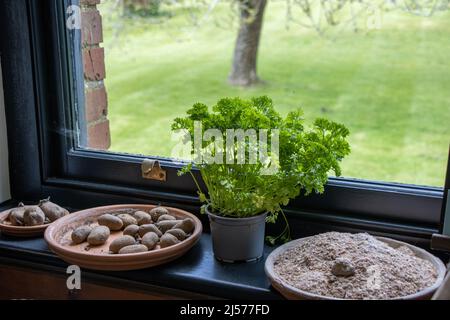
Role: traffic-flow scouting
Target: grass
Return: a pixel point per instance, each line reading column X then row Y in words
column 391, row 86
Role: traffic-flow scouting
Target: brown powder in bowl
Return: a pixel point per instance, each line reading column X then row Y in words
column 354, row 266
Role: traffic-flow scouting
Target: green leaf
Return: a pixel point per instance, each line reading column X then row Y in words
column 202, row 197
column 306, row 157
column 271, row 240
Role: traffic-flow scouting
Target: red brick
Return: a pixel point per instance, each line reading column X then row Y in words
column 91, row 27
column 96, row 104
column 99, row 136
column 94, row 64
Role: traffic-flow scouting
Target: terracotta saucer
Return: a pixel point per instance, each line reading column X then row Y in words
column 58, row 237
column 19, row 231
column 291, row 292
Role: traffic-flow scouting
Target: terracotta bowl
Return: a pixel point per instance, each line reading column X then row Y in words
column 58, row 237
column 293, row 293
column 19, row 231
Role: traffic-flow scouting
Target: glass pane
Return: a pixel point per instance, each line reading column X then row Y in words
column 384, row 73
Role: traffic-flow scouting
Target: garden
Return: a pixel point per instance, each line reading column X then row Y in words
column 389, row 84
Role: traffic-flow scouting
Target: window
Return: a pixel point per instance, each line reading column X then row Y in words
column 388, row 82
column 78, row 147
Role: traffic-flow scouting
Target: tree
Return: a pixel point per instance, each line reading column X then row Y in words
column 141, row 7
column 320, row 15
column 243, row 72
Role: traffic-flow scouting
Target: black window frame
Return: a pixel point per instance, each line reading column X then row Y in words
column 40, row 95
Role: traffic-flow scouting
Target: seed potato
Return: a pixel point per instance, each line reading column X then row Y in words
column 33, row 216
column 187, row 225
column 149, row 228
column 166, row 217
column 167, row 225
column 343, row 267
column 112, row 222
column 168, row 240
column 135, row 248
column 143, row 218
column 98, row 236
column 178, row 233
column 150, row 240
column 127, row 219
column 51, row 210
column 120, row 243
column 158, row 212
column 131, row 230
column 16, row 215
column 80, row 234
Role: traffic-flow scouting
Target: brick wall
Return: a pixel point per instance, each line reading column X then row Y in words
column 96, row 102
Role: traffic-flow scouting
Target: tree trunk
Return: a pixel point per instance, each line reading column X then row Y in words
column 243, row 71
column 141, row 7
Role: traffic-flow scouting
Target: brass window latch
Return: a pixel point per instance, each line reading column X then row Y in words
column 151, row 169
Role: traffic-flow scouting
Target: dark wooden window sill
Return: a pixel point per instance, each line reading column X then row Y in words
column 26, row 263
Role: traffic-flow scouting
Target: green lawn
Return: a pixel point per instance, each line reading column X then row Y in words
column 391, row 86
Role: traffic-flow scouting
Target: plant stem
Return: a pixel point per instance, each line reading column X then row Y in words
column 288, row 227
column 196, row 182
column 286, row 231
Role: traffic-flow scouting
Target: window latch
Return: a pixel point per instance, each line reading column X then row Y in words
column 151, row 169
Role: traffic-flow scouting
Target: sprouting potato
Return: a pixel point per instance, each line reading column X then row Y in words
column 80, row 234
column 178, row 233
column 149, row 228
column 131, row 230
column 120, row 243
column 16, row 215
column 135, row 248
column 143, row 218
column 165, row 217
column 187, row 225
column 51, row 210
column 127, row 219
column 168, row 240
column 167, row 225
column 112, row 222
column 158, row 212
column 33, row 216
column 150, row 240
column 98, row 236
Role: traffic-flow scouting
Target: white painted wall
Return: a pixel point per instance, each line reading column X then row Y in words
column 4, row 169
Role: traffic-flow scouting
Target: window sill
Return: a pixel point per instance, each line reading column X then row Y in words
column 198, row 272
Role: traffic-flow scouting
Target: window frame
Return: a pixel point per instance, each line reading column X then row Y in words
column 445, row 211
column 64, row 169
